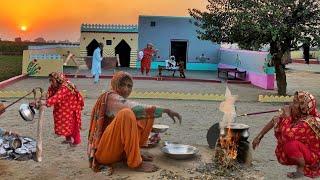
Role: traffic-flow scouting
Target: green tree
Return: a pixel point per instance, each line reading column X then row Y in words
column 281, row 24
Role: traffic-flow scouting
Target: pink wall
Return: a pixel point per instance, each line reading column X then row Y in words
column 265, row 81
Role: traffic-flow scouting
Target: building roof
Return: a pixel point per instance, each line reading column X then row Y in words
column 112, row 28
column 172, row 17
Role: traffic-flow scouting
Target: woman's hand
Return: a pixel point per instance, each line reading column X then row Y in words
column 173, row 114
column 256, row 141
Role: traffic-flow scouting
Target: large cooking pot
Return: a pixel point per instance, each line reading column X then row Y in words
column 26, row 112
column 214, row 132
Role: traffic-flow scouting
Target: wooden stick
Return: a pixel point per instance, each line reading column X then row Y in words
column 263, row 112
column 39, row 132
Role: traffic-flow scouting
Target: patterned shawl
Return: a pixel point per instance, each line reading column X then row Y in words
column 308, row 106
column 99, row 120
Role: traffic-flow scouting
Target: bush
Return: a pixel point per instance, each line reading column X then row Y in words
column 10, row 66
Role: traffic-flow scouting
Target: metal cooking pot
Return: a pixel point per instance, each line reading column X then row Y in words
column 26, row 112
column 15, row 143
column 243, row 129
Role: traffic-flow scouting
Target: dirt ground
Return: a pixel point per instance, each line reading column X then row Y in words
column 63, row 162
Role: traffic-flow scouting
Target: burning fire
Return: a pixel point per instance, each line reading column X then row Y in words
column 229, row 143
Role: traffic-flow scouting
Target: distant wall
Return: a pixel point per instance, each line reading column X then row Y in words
column 299, row 54
column 41, row 62
column 251, row 61
column 166, row 30
column 109, row 50
column 190, row 66
column 58, row 49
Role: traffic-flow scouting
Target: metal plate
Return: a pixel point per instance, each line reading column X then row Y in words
column 179, row 151
column 213, row 135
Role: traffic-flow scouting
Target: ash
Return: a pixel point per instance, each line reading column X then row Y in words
column 23, row 153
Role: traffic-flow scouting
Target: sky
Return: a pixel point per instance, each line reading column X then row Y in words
column 61, row 19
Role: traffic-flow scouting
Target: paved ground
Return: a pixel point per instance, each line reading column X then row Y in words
column 61, row 162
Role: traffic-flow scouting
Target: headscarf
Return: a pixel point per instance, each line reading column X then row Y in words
column 308, row 104
column 62, row 80
column 118, row 79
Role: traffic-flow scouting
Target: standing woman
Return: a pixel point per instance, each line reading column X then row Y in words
column 148, row 53
column 67, row 105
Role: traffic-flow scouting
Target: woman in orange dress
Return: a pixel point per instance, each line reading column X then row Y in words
column 297, row 131
column 119, row 127
column 67, row 105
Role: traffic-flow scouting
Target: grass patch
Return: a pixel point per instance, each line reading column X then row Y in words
column 10, row 66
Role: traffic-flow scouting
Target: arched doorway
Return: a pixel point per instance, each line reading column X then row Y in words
column 123, row 49
column 91, row 47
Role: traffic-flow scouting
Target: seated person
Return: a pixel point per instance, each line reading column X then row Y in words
column 297, row 131
column 171, row 63
column 119, row 127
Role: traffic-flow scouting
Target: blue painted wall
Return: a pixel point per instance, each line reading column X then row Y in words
column 190, row 66
column 176, row 28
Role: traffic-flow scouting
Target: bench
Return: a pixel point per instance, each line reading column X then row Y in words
column 236, row 73
column 179, row 68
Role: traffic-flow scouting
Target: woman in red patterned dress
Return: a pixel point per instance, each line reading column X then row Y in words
column 67, row 104
column 297, row 131
column 148, row 53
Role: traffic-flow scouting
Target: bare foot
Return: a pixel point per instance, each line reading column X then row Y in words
column 146, row 157
column 147, row 167
column 66, row 142
column 295, row 175
column 73, row 145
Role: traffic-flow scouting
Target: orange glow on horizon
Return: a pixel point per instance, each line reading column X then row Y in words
column 61, row 20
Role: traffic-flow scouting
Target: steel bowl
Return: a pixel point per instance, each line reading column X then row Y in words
column 179, row 151
column 159, row 128
column 26, row 112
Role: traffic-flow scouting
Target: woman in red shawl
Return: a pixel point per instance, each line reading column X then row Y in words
column 297, row 131
column 119, row 127
column 67, row 104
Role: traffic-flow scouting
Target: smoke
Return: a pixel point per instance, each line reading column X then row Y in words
column 228, row 108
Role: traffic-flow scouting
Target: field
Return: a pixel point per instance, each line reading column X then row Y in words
column 10, row 66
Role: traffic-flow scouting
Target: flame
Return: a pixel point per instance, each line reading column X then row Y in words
column 229, row 143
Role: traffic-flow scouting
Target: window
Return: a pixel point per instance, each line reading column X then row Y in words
column 153, row 24
column 109, row 42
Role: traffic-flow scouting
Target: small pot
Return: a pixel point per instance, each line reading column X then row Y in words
column 26, row 112
column 15, row 143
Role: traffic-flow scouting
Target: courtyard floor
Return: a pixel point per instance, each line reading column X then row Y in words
column 62, row 162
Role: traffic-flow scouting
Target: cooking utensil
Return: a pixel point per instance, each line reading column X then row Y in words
column 26, row 112
column 213, row 135
column 179, row 151
column 159, row 128
column 15, row 143
column 262, row 112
